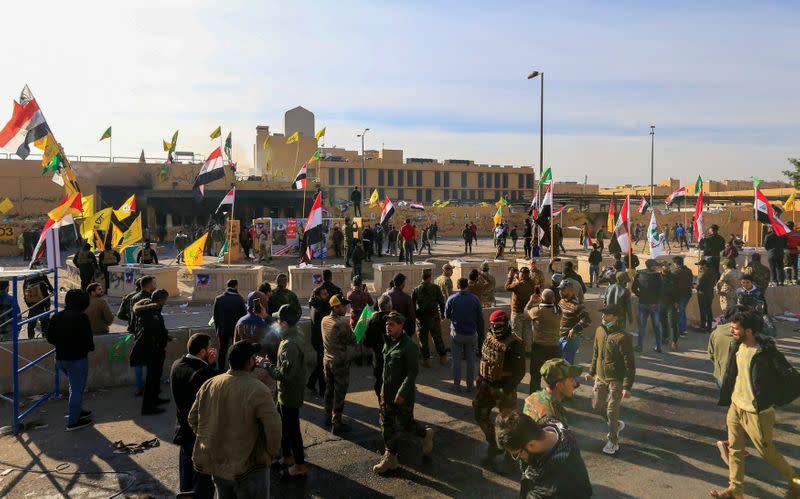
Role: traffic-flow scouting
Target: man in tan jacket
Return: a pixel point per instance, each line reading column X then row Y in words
column 728, row 284
column 238, row 427
column 98, row 311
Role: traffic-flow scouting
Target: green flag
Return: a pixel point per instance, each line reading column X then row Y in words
column 698, row 185
column 756, row 182
column 361, row 326
column 119, row 350
column 221, row 255
column 106, row 134
column 547, row 176
column 54, row 165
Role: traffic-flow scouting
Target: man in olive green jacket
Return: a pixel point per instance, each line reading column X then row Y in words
column 400, row 367
column 238, row 427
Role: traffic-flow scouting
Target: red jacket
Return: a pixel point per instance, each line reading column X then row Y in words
column 407, row 232
column 793, row 242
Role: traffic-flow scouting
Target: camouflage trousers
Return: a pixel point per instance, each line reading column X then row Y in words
column 488, row 397
column 521, row 325
column 395, row 419
column 430, row 325
column 337, row 379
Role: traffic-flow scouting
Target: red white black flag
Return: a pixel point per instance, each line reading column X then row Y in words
column 301, row 178
column 388, row 211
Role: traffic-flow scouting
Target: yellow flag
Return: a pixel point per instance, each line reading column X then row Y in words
column 216, row 133
column 193, row 254
column 373, row 199
column 126, row 209
column 49, row 146
column 498, row 217
column 167, row 146
column 99, row 243
column 134, row 233
column 116, row 236
column 101, row 220
column 321, row 133
column 294, row 138
column 88, row 205
column 6, row 205
column 789, row 204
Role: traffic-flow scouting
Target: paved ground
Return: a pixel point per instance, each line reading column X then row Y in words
column 667, row 448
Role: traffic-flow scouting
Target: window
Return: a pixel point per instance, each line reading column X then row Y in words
column 480, row 194
column 496, row 180
column 446, row 195
column 341, row 176
column 428, row 195
column 331, row 194
column 410, row 175
column 472, row 194
column 401, row 194
column 419, row 177
column 505, row 181
column 488, row 180
column 419, row 195
column 480, row 180
column 520, row 181
column 390, row 180
column 400, row 177
column 437, row 179
column 351, row 176
column 447, row 179
column 529, row 181
column 381, row 177
column 331, row 176
column 463, row 179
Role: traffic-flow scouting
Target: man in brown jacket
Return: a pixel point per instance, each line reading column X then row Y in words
column 521, row 287
column 237, row 426
column 546, row 319
column 99, row 313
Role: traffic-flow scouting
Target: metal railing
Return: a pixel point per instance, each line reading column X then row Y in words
column 16, row 326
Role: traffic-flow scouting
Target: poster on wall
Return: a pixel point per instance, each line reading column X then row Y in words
column 284, row 237
column 202, row 280
column 263, row 225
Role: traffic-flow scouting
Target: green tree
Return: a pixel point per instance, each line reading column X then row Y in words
column 794, row 175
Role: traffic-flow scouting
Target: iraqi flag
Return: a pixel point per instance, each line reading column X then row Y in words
column 680, row 193
column 416, row 206
column 26, row 125
column 560, row 211
column 313, row 228
column 212, row 170
column 387, row 212
column 765, row 214
column 227, row 201
column 644, row 205
column 622, row 229
column 301, row 178
column 698, row 216
column 543, row 217
column 533, row 209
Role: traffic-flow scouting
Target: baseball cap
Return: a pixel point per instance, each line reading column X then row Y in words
column 564, row 283
column 338, row 299
column 499, row 316
column 555, row 370
column 557, row 277
column 485, row 266
column 243, row 350
column 447, row 266
column 285, row 313
column 396, row 317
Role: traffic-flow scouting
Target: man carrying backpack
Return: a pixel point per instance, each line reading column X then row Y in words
column 502, row 368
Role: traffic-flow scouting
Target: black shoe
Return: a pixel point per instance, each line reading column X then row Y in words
column 339, row 428
column 328, row 421
column 80, row 423
column 657, row 350
column 151, row 411
column 84, row 414
column 162, row 401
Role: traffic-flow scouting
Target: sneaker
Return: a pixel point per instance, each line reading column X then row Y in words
column 80, row 423
column 657, row 349
column 84, row 414
column 387, row 463
column 723, row 451
column 610, row 448
column 427, row 441
column 621, row 425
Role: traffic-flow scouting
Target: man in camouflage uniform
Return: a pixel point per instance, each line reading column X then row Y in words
column 502, row 368
column 108, row 258
column 560, row 377
column 282, row 295
column 348, row 241
column 336, row 337
column 537, row 276
column 400, row 367
column 759, row 271
column 444, row 281
column 487, row 296
column 429, row 311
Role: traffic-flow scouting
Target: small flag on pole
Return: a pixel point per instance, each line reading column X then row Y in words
column 293, row 138
column 228, row 200
column 106, row 135
column 498, row 217
column 644, row 205
column 680, row 193
column 300, row 179
column 360, row 330
column 216, row 133
column 193, row 254
column 321, row 133
column 547, row 176
column 698, row 185
column 221, row 255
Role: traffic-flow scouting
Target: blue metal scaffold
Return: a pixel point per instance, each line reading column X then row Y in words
column 16, row 326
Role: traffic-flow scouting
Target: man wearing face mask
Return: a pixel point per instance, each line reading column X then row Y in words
column 548, row 456
column 561, row 379
column 613, row 369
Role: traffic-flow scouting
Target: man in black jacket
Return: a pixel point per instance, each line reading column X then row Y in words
column 37, row 293
column 355, row 198
column 149, row 350
column 775, row 246
column 71, row 334
column 229, row 307
column 756, row 379
column 186, row 377
column 647, row 286
column 374, row 338
column 711, row 246
column 320, row 307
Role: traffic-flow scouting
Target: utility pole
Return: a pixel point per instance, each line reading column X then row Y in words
column 652, row 142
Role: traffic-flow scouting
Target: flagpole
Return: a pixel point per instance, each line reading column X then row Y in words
column 110, row 145
column 230, row 227
column 552, row 205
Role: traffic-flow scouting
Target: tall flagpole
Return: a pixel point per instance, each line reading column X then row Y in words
column 552, row 219
column 110, row 143
column 296, row 156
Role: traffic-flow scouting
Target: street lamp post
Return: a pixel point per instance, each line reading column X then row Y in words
column 531, row 76
column 363, row 178
column 652, row 142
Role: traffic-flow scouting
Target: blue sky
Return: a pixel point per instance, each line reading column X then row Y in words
column 437, row 79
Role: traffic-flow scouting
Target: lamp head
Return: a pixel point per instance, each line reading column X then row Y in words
column 533, row 75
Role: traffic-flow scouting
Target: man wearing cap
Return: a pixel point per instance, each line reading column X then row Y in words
column 429, row 310
column 229, row 307
column 521, row 287
column 359, row 297
column 502, row 368
column 337, row 335
column 560, row 382
column 706, row 278
column 238, row 427
column 618, row 295
column 400, row 367
column 648, row 287
column 727, row 284
column 444, row 281
column 487, row 295
column 546, row 319
column 574, row 319
column 613, row 368
column 290, row 372
column 401, row 302
column 282, row 295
